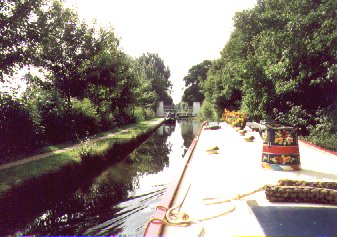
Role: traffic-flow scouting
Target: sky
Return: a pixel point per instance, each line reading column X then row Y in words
column 182, row 32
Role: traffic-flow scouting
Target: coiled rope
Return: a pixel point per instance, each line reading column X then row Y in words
column 285, row 190
column 183, row 219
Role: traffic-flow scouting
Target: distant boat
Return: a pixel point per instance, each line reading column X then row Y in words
column 170, row 118
column 182, row 115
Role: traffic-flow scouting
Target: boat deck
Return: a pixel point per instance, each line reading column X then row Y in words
column 236, row 169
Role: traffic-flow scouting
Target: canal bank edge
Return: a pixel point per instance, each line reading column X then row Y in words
column 89, row 153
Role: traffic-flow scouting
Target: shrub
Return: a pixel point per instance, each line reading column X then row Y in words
column 18, row 132
column 139, row 114
column 55, row 117
column 149, row 113
column 108, row 119
column 326, row 140
column 84, row 117
column 296, row 117
column 125, row 116
column 324, row 132
column 208, row 112
column 63, row 122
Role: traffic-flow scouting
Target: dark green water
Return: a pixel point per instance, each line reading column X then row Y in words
column 117, row 200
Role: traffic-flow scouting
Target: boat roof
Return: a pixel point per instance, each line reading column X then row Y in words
column 235, row 168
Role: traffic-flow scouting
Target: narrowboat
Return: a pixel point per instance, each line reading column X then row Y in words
column 170, row 118
column 228, row 193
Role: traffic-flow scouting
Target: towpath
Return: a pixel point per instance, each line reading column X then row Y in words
column 68, row 148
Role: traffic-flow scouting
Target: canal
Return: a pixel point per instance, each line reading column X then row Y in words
column 117, row 200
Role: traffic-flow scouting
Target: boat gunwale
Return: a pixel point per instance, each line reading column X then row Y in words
column 155, row 224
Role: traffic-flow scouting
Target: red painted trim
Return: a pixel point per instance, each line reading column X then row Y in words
column 318, row 147
column 280, row 149
column 154, row 228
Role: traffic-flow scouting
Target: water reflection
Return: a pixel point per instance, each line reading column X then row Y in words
column 118, row 200
column 189, row 127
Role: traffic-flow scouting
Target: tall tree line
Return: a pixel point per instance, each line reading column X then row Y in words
column 280, row 63
column 85, row 84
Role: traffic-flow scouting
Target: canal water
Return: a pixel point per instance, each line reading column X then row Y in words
column 118, row 200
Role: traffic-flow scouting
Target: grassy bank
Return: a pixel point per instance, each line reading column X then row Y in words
column 93, row 150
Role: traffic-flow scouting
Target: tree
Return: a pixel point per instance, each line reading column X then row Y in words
column 66, row 48
column 275, row 55
column 18, row 33
column 193, row 80
column 88, row 84
column 146, row 96
column 280, row 62
column 112, row 79
column 158, row 74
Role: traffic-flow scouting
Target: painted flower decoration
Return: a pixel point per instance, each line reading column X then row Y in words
column 283, row 137
column 277, row 159
column 283, row 159
column 286, row 159
column 279, row 140
column 289, row 139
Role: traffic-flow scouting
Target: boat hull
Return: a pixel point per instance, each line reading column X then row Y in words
column 170, row 121
column 156, row 223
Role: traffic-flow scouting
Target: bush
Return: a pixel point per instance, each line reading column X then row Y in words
column 319, row 128
column 108, row 119
column 208, row 112
column 84, row 117
column 150, row 114
column 124, row 117
column 63, row 122
column 324, row 132
column 326, row 140
column 55, row 117
column 296, row 117
column 139, row 114
column 18, row 132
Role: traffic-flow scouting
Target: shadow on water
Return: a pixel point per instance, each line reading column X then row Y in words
column 94, row 199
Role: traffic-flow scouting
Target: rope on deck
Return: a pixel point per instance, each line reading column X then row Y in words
column 210, row 201
column 284, row 191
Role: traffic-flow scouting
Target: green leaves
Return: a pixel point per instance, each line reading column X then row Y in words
column 193, row 81
column 65, row 49
column 157, row 73
column 18, row 35
column 87, row 83
column 282, row 59
column 15, row 124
